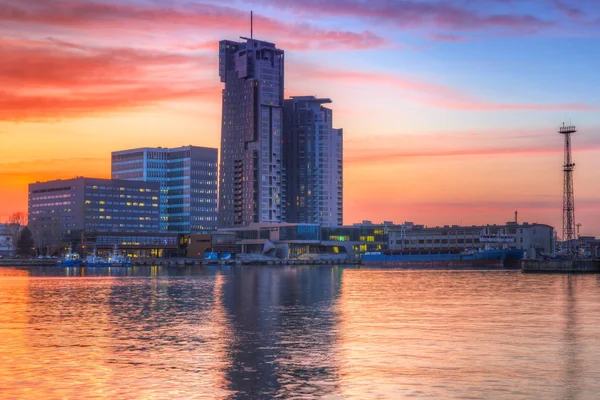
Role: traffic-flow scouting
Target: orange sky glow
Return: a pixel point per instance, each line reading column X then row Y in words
column 464, row 143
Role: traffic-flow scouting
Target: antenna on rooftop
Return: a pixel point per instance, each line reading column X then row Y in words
column 251, row 25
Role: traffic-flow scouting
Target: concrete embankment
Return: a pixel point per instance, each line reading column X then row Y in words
column 561, row 266
column 196, row 261
column 17, row 262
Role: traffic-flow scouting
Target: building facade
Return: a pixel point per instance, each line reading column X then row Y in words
column 7, row 247
column 60, row 208
column 251, row 170
column 313, row 159
column 533, row 238
column 188, row 183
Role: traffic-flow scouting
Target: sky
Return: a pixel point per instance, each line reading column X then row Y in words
column 450, row 109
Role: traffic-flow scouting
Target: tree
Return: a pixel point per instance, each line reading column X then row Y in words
column 25, row 243
column 46, row 234
column 14, row 224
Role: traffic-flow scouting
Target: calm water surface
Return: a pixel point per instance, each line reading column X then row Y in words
column 313, row 332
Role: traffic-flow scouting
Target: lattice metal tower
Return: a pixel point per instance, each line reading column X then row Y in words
column 568, row 197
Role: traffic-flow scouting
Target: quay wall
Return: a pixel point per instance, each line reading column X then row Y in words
column 561, row 266
column 436, row 264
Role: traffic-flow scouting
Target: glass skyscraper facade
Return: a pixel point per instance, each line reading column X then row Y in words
column 188, row 183
column 251, row 170
column 313, row 159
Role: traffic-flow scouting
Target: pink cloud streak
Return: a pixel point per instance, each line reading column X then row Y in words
column 110, row 19
column 432, row 94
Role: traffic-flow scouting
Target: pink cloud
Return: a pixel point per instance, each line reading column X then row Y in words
column 458, row 145
column 111, row 19
column 54, row 80
column 444, row 37
column 408, row 14
column 432, row 94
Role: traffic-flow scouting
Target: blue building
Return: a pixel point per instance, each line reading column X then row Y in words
column 188, row 183
column 313, row 159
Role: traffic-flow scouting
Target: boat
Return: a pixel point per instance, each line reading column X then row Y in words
column 441, row 259
column 491, row 253
column 118, row 260
column 70, row 259
column 94, row 260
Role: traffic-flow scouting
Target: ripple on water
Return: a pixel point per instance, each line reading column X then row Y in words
column 304, row 332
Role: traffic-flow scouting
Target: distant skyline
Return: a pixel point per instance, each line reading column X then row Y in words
column 450, row 110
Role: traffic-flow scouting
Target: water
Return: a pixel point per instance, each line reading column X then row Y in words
column 299, row 332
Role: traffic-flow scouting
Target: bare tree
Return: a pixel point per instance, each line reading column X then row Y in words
column 14, row 224
column 46, row 234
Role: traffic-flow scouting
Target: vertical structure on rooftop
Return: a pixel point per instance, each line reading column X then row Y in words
column 250, row 170
column 568, row 196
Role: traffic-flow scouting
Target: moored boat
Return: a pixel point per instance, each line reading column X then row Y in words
column 118, row 260
column 70, row 259
column 94, row 260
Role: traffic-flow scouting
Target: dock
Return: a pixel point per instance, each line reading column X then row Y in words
column 561, row 266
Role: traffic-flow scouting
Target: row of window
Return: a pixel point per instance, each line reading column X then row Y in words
column 58, row 203
column 56, row 196
column 104, row 225
column 137, row 240
column 115, row 218
column 115, row 188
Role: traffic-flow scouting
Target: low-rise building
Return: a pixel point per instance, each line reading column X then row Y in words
column 197, row 245
column 533, row 238
column 7, row 247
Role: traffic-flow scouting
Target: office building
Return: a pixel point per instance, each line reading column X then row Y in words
column 313, row 157
column 250, row 187
column 188, row 183
column 80, row 205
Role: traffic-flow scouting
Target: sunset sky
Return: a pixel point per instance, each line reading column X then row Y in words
column 450, row 109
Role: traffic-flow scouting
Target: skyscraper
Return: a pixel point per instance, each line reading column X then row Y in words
column 313, row 158
column 188, row 183
column 252, row 122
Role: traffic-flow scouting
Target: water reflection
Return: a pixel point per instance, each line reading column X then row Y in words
column 304, row 332
column 284, row 326
column 465, row 334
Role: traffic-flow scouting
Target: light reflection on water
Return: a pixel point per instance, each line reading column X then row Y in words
column 304, row 332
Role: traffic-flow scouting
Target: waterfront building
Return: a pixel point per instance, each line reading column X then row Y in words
column 291, row 240
column 533, row 238
column 283, row 240
column 188, row 183
column 7, row 246
column 251, row 171
column 220, row 243
column 313, row 159
column 133, row 244
column 69, row 207
column 361, row 237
